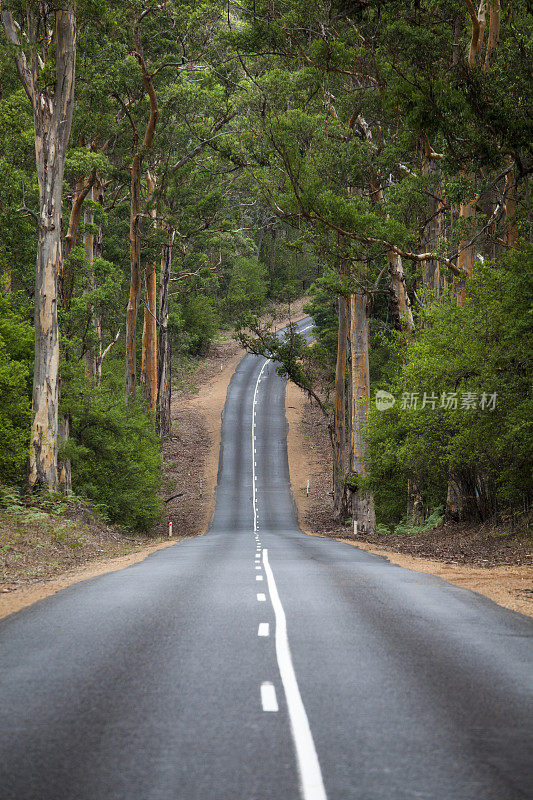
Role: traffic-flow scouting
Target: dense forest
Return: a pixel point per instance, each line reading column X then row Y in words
column 167, row 170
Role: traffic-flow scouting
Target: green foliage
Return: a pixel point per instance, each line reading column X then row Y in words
column 200, row 324
column 115, row 456
column 323, row 309
column 193, row 324
column 247, row 288
column 485, row 348
column 408, row 528
column 16, row 355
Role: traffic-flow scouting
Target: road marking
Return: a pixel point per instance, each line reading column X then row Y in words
column 311, row 783
column 264, row 629
column 268, row 697
column 258, row 567
column 254, row 498
column 259, row 577
column 261, row 598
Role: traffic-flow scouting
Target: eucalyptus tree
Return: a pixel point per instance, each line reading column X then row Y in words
column 43, row 42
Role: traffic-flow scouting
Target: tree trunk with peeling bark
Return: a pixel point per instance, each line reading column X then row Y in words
column 467, row 210
column 461, row 498
column 163, row 353
column 135, row 217
column 135, row 279
column 149, row 342
column 400, row 303
column 339, row 416
column 433, row 228
column 52, row 116
column 362, row 501
column 93, row 245
column 511, row 227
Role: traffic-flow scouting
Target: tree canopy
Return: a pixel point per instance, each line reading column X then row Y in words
column 214, row 157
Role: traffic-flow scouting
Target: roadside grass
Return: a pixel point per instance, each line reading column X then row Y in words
column 43, row 536
column 408, row 528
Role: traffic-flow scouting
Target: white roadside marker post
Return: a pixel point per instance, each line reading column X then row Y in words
column 307, row 492
column 170, row 530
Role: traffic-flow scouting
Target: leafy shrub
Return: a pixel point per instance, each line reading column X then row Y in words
column 406, row 528
column 16, row 354
column 247, row 288
column 115, row 457
column 199, row 326
column 481, row 347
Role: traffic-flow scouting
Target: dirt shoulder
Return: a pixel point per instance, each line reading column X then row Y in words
column 26, row 595
column 494, row 564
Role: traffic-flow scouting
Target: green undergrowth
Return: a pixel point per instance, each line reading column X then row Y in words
column 408, row 528
column 46, row 534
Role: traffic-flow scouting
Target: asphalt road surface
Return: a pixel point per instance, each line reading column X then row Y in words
column 259, row 663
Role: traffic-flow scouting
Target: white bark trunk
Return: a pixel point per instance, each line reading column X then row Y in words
column 52, row 115
column 362, row 501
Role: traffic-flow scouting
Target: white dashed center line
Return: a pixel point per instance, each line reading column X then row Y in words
column 268, row 697
column 254, row 499
column 311, row 783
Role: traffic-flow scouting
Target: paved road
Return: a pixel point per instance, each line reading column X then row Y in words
column 161, row 681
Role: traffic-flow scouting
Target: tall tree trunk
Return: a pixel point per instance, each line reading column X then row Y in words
column 467, row 211
column 362, row 501
column 511, row 227
column 52, row 116
column 149, row 343
column 98, row 252
column 135, row 279
column 65, row 467
column 90, row 355
column 66, row 291
column 339, row 418
column 401, row 305
column 135, row 218
column 461, row 500
column 94, row 245
column 163, row 356
column 432, row 232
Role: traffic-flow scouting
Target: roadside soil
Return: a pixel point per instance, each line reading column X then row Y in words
column 41, row 556
column 15, row 597
column 46, row 547
column 493, row 562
